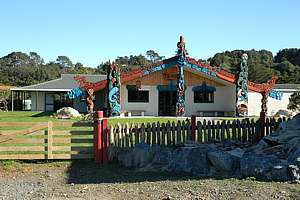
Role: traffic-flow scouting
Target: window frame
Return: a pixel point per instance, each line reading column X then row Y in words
column 147, row 99
column 209, row 97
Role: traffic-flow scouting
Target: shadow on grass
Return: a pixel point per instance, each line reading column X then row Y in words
column 42, row 114
column 87, row 172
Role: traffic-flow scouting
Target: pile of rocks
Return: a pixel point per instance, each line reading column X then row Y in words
column 275, row 158
column 66, row 113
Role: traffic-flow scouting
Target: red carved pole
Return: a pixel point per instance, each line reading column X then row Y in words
column 98, row 147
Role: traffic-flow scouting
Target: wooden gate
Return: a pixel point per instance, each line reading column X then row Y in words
column 46, row 140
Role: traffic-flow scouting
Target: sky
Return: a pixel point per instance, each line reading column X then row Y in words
column 92, row 32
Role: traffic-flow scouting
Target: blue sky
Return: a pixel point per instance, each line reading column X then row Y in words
column 94, row 31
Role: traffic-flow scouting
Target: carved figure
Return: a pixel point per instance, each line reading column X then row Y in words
column 114, row 89
column 242, row 88
column 180, row 104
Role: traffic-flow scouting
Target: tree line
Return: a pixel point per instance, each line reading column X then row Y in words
column 21, row 69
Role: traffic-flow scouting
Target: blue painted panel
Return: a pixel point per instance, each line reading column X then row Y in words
column 276, row 94
column 75, row 93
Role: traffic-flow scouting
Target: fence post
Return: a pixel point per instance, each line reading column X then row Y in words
column 193, row 121
column 49, row 140
column 98, row 138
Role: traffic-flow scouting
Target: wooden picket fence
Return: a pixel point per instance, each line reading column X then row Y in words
column 78, row 140
column 225, row 132
column 47, row 140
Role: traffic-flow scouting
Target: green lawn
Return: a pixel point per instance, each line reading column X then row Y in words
column 29, row 116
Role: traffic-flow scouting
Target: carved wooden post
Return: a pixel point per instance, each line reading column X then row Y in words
column 114, row 88
column 242, row 88
column 263, row 114
column 180, row 107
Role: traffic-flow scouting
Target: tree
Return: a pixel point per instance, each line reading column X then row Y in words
column 78, row 65
column 292, row 55
column 294, row 99
column 259, row 63
column 36, row 58
column 153, row 56
column 64, row 61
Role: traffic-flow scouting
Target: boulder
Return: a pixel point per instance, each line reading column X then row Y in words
column 264, row 167
column 224, row 162
column 283, row 113
column 191, row 160
column 140, row 156
column 66, row 113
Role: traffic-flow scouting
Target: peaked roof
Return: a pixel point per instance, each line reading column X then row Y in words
column 65, row 83
column 202, row 68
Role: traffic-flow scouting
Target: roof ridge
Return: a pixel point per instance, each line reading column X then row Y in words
column 83, row 74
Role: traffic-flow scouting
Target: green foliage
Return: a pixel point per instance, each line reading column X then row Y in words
column 292, row 55
column 294, row 99
column 21, row 69
column 64, row 61
column 153, row 56
column 259, row 63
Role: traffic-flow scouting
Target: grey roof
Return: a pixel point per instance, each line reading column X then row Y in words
column 65, row 83
column 287, row 86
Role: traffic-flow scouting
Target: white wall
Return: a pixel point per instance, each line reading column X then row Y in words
column 37, row 101
column 224, row 100
column 273, row 105
column 151, row 107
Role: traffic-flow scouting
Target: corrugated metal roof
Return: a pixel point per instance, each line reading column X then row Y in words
column 65, row 83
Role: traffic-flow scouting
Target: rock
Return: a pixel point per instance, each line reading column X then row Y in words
column 191, row 160
column 112, row 153
column 162, row 157
column 66, row 113
column 294, row 153
column 224, row 162
column 294, row 172
column 140, row 156
column 264, row 167
column 283, row 113
column 125, row 158
column 237, row 153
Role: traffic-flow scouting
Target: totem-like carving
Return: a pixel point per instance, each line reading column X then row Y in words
column 242, row 88
column 113, row 80
column 90, row 100
column 180, row 105
column 85, row 87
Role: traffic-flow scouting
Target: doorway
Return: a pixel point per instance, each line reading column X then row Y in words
column 167, row 103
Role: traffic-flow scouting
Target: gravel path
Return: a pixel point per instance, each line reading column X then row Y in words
column 85, row 180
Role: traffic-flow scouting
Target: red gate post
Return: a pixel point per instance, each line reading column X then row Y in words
column 193, row 121
column 98, row 138
column 104, row 140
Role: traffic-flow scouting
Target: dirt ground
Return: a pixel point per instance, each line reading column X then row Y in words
column 85, row 180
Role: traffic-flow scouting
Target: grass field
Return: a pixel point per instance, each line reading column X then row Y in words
column 29, row 116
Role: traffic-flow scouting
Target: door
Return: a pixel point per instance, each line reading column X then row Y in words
column 167, row 103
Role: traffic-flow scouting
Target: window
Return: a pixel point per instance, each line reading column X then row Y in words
column 138, row 96
column 203, row 97
column 204, row 93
